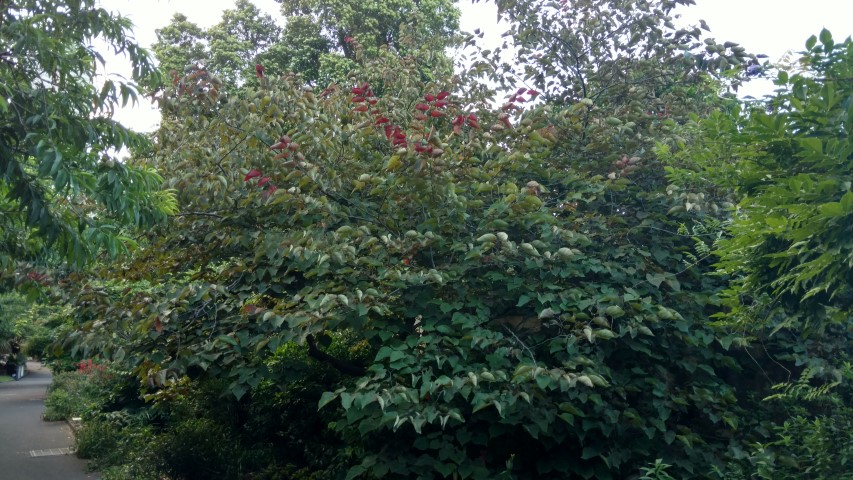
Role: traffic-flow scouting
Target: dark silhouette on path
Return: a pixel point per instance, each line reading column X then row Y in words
column 22, row 431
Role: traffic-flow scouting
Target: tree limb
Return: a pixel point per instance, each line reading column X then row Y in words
column 340, row 365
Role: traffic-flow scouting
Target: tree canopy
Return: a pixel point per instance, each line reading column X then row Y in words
column 315, row 40
column 60, row 186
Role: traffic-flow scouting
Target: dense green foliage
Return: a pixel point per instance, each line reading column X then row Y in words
column 190, row 431
column 634, row 53
column 616, row 273
column 786, row 252
column 793, row 232
column 78, row 393
column 27, row 329
column 316, row 39
column 13, row 306
column 229, row 48
column 59, row 184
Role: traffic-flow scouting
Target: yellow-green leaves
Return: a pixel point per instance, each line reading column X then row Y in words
column 487, row 238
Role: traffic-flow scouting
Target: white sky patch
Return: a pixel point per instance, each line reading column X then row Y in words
column 483, row 16
column 150, row 15
column 772, row 27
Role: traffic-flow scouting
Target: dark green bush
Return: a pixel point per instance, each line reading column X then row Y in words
column 121, row 445
column 38, row 345
column 97, row 440
column 77, row 394
column 815, row 448
column 197, row 449
column 194, row 430
column 809, row 436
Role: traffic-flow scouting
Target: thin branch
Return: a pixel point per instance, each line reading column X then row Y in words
column 523, row 345
column 668, row 232
column 200, row 214
column 219, row 162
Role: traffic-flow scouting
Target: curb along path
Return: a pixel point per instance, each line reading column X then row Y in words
column 34, row 449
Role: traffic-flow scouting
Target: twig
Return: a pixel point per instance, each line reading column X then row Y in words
column 523, row 345
column 200, row 214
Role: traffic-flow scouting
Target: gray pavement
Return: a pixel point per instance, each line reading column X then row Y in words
column 22, row 431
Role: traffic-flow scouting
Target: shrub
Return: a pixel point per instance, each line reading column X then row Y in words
column 198, row 448
column 121, row 445
column 97, row 439
column 815, row 447
column 70, row 395
column 80, row 393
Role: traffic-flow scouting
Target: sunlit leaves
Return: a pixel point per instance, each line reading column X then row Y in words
column 792, row 238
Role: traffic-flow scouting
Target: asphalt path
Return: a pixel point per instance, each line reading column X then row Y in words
column 22, row 431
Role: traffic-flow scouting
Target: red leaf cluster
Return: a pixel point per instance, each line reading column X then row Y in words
column 263, row 181
column 363, row 97
column 253, row 173
column 88, row 366
column 434, row 103
column 471, row 120
column 283, row 142
column 39, row 278
column 396, row 135
column 518, row 97
column 285, row 146
column 328, row 91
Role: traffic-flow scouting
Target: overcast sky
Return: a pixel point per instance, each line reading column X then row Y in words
column 772, row 27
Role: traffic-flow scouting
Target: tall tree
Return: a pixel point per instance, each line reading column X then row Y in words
column 237, row 40
column 59, row 181
column 377, row 22
column 599, row 49
column 316, row 40
column 786, row 250
column 179, row 44
column 791, row 241
column 302, row 48
column 228, row 49
column 374, row 24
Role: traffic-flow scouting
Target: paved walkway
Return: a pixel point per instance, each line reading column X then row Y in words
column 22, row 432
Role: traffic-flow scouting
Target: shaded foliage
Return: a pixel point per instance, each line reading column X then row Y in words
column 792, row 234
